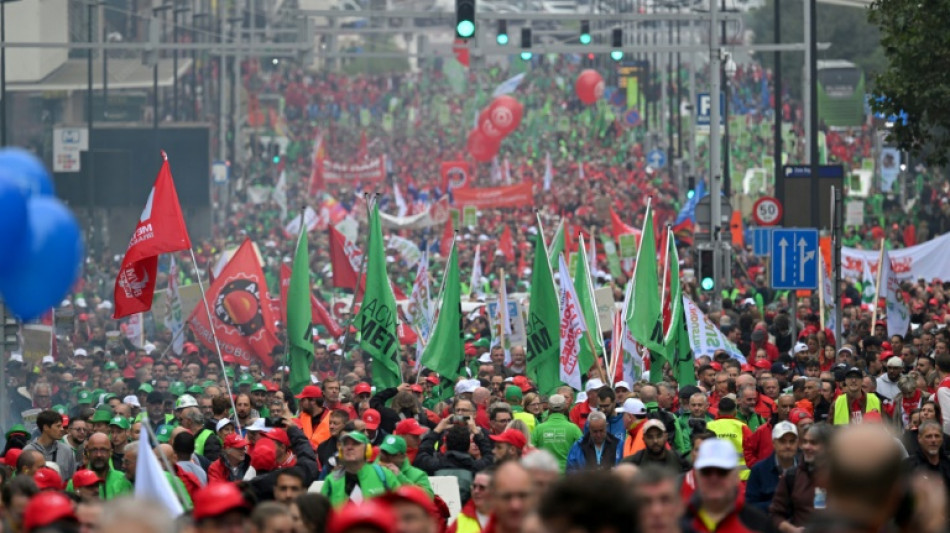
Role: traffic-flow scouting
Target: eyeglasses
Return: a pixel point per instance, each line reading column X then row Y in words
column 714, row 472
column 98, row 451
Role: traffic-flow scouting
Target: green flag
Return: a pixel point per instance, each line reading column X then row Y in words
column 676, row 340
column 543, row 326
column 300, row 318
column 613, row 260
column 557, row 243
column 444, row 351
column 645, row 319
column 377, row 316
column 585, row 296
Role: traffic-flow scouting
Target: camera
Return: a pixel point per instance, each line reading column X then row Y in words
column 459, row 420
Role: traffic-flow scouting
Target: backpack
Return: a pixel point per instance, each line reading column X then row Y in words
column 465, row 478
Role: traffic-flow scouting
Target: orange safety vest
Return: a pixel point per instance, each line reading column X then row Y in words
column 318, row 434
column 634, row 441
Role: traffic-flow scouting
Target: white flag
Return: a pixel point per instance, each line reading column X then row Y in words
column 898, row 315
column 573, row 328
column 420, row 304
column 174, row 320
column 580, row 171
column 507, row 172
column 400, row 201
column 135, row 330
column 279, row 195
column 704, row 337
column 150, row 480
column 495, row 170
column 827, row 295
column 508, row 86
column 548, row 172
column 475, row 285
column 629, row 347
column 311, row 219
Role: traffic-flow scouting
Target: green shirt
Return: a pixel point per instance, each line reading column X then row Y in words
column 754, row 420
column 115, row 485
column 556, row 435
column 372, row 479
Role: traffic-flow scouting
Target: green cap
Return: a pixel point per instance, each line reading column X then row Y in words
column 482, row 343
column 196, row 389
column 258, row 387
column 393, row 445
column 84, row 397
column 97, row 393
column 18, row 428
column 229, row 372
column 209, row 383
column 111, row 366
column 108, row 397
column 177, row 388
column 102, row 415
column 245, row 379
column 146, row 388
column 513, row 393
column 121, row 422
column 355, row 435
column 164, row 434
column 468, row 337
column 61, row 409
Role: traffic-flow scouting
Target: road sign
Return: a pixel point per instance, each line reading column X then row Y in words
column 767, row 211
column 704, row 111
column 219, row 172
column 67, row 145
column 804, row 171
column 762, row 241
column 794, row 254
column 656, row 158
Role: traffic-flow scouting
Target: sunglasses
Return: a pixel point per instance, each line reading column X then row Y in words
column 714, row 472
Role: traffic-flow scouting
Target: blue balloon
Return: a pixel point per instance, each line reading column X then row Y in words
column 50, row 261
column 27, row 170
column 13, row 220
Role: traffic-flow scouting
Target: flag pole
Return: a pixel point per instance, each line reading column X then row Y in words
column 596, row 328
column 877, row 285
column 356, row 290
column 445, row 274
column 504, row 314
column 164, row 460
column 300, row 235
column 217, row 345
column 821, row 294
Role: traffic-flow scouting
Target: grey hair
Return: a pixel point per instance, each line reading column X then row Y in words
column 541, row 460
column 131, row 447
column 195, row 415
column 146, row 516
column 596, row 415
column 929, row 423
column 907, row 384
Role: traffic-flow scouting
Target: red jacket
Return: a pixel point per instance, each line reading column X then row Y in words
column 191, row 482
column 579, row 414
column 759, row 446
column 765, row 407
column 742, row 519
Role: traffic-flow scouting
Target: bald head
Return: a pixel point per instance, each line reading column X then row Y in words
column 167, row 451
column 627, row 472
column 481, row 396
column 745, row 379
column 864, row 460
column 98, row 440
column 29, row 462
column 648, row 393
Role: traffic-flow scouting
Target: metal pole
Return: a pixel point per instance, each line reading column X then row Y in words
column 3, row 90
column 812, row 67
column 806, row 81
column 175, row 66
column 715, row 166
column 679, row 98
column 693, row 65
column 837, row 217
column 222, row 62
column 105, row 62
column 777, row 95
column 89, row 69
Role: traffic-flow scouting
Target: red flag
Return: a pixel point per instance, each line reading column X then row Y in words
column 345, row 257
column 460, row 49
column 161, row 229
column 241, row 310
column 447, row 235
column 618, row 227
column 316, row 166
column 506, row 244
column 320, row 314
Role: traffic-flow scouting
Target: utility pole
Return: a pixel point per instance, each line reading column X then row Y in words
column 812, row 68
column 715, row 166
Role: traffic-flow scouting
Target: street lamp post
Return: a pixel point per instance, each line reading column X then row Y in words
column 729, row 70
column 175, row 13
column 155, row 113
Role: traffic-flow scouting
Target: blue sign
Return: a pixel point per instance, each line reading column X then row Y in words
column 632, row 117
column 656, row 158
column 804, row 171
column 794, row 255
column 704, row 109
column 220, row 172
column 762, row 241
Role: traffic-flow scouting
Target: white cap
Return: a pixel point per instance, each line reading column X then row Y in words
column 557, row 400
column 593, row 384
column 633, row 406
column 622, row 385
column 106, row 304
column 650, row 424
column 80, row 302
column 131, row 400
column 717, row 453
column 80, row 352
column 149, row 347
column 580, row 398
column 16, row 356
column 256, row 425
column 223, row 422
column 485, row 358
column 47, row 359
column 799, row 348
column 895, row 362
column 784, row 428
column 466, row 386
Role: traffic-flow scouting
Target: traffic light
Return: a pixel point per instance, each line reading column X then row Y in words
column 707, row 279
column 11, row 332
column 464, row 18
column 526, row 44
column 273, row 149
column 616, row 41
column 690, row 187
column 585, row 32
column 502, row 37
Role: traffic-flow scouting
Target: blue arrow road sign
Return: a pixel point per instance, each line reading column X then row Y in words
column 762, row 241
column 794, row 258
column 656, row 158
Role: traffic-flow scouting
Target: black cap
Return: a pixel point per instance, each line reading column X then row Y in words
column 779, row 368
column 155, row 397
column 688, row 391
column 852, row 371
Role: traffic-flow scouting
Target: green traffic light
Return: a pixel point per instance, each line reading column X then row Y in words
column 465, row 28
column 585, row 38
column 690, row 193
column 616, row 55
column 707, row 284
column 502, row 39
column 276, row 159
column 526, row 56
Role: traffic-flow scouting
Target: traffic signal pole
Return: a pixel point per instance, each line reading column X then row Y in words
column 715, row 165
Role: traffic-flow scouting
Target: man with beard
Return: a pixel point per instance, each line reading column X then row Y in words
column 656, row 452
column 314, row 418
column 97, row 453
column 243, row 409
column 76, row 437
column 795, row 494
column 851, row 406
column 929, row 460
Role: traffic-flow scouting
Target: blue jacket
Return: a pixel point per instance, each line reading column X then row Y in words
column 583, row 455
column 614, row 426
column 763, row 479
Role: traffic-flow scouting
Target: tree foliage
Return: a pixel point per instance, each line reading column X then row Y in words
column 852, row 37
column 916, row 79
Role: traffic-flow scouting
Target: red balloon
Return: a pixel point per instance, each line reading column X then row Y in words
column 589, row 86
column 486, row 127
column 505, row 113
column 481, row 148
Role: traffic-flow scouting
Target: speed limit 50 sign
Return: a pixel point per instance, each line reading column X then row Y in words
column 767, row 211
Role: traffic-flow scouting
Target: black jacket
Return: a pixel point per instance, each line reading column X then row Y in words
column 918, row 463
column 263, row 484
column 212, row 444
column 326, row 450
column 671, row 460
column 608, row 456
column 388, row 418
column 431, row 460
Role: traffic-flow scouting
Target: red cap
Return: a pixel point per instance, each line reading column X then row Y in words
column 872, row 417
column 409, row 426
column 271, row 386
column 264, row 456
column 716, row 366
column 522, row 383
column 415, row 387
column 11, row 457
column 798, row 414
column 216, row 499
column 190, row 347
column 310, row 391
column 278, row 435
column 747, row 368
column 65, row 421
column 885, row 355
column 433, row 379
column 47, row 478
column 235, row 440
column 513, row 437
column 763, row 364
column 85, row 478
column 372, row 513
column 886, row 346
column 415, row 495
column 45, row 508
column 362, row 388
column 372, row 419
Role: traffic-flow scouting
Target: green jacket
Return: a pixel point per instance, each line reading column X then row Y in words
column 373, row 481
column 556, row 435
column 683, row 440
column 115, row 485
column 753, row 421
column 410, row 475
